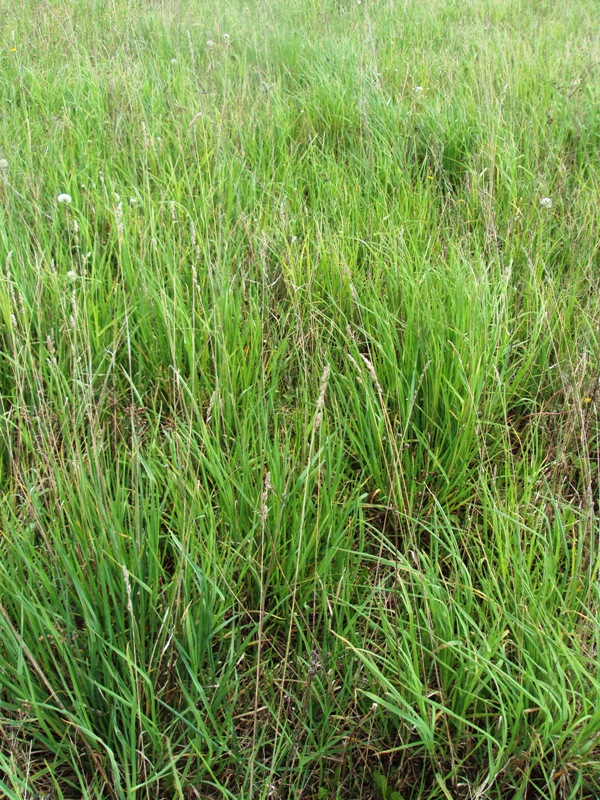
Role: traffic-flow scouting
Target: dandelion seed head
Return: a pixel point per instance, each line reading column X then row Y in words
column 72, row 275
column 226, row 37
column 546, row 202
column 64, row 198
column 173, row 61
column 3, row 164
column 210, row 43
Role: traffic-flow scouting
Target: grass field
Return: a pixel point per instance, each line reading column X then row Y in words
column 299, row 393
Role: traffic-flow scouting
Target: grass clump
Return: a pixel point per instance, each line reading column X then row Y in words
column 299, row 391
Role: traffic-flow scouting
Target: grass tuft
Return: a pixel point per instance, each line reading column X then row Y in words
column 299, row 389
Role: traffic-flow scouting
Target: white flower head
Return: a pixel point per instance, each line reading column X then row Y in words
column 419, row 89
column 132, row 201
column 64, row 198
column 3, row 164
column 210, row 43
column 72, row 275
column 173, row 61
column 226, row 37
column 546, row 202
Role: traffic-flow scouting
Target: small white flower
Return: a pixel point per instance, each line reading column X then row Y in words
column 546, row 202
column 419, row 89
column 226, row 37
column 173, row 61
column 3, row 164
column 132, row 201
column 72, row 275
column 64, row 198
column 210, row 43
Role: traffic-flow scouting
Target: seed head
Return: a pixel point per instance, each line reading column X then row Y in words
column 119, row 220
column 264, row 508
column 64, row 198
column 321, row 399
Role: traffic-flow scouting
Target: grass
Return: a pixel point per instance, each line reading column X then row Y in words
column 299, row 400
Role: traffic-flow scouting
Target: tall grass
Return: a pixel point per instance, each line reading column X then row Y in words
column 298, row 439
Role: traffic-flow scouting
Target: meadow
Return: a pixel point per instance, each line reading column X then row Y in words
column 299, row 393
